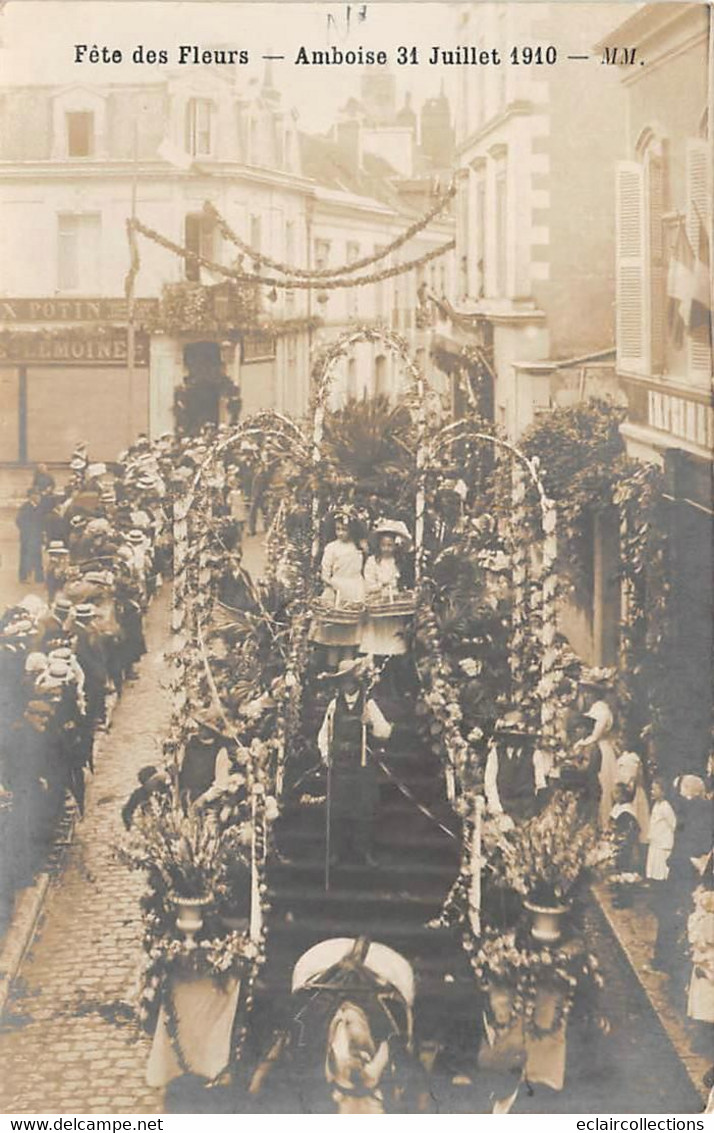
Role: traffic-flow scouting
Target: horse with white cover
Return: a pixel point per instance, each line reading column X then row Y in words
column 348, row 1045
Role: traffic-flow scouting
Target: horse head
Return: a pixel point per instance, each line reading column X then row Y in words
column 354, row 1063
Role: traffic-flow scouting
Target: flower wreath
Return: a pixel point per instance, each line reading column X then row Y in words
column 501, row 960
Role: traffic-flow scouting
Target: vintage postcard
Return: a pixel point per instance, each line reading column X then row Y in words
column 356, row 559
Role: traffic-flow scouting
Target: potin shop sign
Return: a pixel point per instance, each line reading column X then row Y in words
column 54, row 310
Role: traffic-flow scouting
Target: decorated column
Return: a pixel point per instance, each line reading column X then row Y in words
column 475, row 866
column 549, row 654
column 519, row 598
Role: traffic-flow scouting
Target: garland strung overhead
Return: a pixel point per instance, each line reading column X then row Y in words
column 332, row 272
column 134, row 226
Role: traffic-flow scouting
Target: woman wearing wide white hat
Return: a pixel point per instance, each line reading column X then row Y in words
column 384, row 633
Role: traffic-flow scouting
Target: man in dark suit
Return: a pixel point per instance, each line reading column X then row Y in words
column 30, row 521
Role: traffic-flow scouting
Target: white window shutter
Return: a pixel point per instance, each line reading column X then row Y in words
column 699, row 211
column 630, row 253
column 656, row 273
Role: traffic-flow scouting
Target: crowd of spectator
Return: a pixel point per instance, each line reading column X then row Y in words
column 100, row 545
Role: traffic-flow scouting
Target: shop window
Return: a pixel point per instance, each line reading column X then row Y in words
column 78, row 252
column 80, row 133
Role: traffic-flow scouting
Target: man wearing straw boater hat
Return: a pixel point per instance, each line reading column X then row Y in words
column 352, row 787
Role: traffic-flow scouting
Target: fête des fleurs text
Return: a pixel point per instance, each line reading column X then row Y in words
column 191, row 54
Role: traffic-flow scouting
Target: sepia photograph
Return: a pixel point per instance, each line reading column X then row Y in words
column 356, row 638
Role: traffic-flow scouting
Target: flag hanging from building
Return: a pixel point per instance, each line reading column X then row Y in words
column 176, row 156
column 680, row 286
column 701, row 302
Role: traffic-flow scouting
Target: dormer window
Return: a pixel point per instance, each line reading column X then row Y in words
column 199, row 126
column 80, row 133
column 78, row 124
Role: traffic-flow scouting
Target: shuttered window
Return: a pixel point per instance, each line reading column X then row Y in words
column 630, row 236
column 657, row 270
column 698, row 223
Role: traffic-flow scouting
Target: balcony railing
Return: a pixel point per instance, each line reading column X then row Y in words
column 684, row 413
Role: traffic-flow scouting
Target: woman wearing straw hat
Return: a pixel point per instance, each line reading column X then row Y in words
column 384, row 635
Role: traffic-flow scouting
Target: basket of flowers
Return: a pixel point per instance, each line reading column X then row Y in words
column 331, row 611
column 390, row 603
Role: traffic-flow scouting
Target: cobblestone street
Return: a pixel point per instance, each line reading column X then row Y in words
column 69, row 1043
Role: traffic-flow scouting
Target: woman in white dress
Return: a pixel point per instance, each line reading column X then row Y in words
column 341, row 572
column 384, row 635
column 601, row 735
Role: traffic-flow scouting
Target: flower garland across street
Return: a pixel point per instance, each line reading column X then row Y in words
column 261, row 259
column 275, row 281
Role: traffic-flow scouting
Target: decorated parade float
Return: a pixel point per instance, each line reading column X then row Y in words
column 462, row 632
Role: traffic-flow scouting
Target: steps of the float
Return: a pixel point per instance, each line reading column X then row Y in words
column 395, row 820
column 384, row 903
column 391, row 846
column 412, row 939
column 431, row 879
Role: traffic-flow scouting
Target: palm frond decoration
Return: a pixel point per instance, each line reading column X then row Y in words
column 371, row 445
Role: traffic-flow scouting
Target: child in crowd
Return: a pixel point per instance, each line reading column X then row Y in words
column 625, row 834
column 663, row 823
